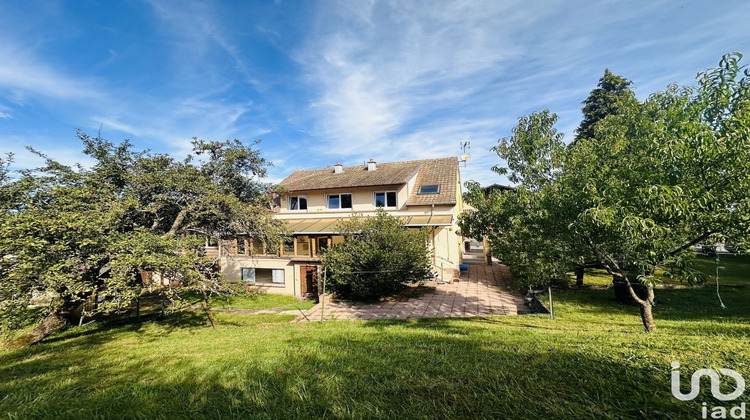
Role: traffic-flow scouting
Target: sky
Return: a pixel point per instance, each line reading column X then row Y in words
column 320, row 82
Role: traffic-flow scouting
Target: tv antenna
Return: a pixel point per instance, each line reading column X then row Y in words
column 464, row 145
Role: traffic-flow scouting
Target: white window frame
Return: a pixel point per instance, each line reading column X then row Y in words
column 385, row 196
column 289, row 203
column 276, row 273
column 328, row 204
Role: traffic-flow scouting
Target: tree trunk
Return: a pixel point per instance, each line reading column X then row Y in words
column 579, row 270
column 647, row 317
column 177, row 223
column 207, row 308
column 55, row 321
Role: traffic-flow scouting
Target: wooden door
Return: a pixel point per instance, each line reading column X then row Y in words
column 309, row 280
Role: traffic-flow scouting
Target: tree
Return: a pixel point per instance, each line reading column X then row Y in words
column 80, row 233
column 378, row 257
column 607, row 99
column 534, row 155
column 534, row 152
column 655, row 179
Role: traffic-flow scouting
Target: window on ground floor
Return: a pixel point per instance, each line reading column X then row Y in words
column 263, row 275
column 303, row 246
column 257, row 247
column 288, row 247
column 241, row 246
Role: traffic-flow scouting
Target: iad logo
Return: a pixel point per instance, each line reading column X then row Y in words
column 717, row 412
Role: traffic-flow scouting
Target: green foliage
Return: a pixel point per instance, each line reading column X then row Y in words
column 534, row 151
column 610, row 96
column 653, row 179
column 79, row 232
column 377, row 258
column 513, row 219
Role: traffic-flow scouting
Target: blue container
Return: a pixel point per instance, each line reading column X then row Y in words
column 463, row 267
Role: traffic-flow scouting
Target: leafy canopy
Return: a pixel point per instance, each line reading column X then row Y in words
column 655, row 178
column 75, row 232
column 377, row 258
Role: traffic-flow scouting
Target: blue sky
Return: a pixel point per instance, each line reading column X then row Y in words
column 321, row 82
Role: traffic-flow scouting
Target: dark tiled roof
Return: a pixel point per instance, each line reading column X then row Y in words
column 442, row 171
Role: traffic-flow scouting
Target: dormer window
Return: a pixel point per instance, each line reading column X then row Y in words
column 298, row 202
column 429, row 189
column 339, row 201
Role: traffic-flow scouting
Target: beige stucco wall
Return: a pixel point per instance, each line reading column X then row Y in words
column 363, row 200
column 231, row 267
column 446, row 249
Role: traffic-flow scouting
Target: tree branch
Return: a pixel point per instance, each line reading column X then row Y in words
column 689, row 244
column 177, row 223
column 615, row 271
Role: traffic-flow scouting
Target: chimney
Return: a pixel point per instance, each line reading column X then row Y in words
column 337, row 168
column 371, row 165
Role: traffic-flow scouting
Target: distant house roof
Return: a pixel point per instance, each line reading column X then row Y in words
column 500, row 187
column 443, row 172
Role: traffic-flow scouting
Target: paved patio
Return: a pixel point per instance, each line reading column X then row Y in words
column 482, row 291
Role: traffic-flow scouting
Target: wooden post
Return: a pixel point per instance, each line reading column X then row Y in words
column 551, row 304
column 323, row 300
column 83, row 314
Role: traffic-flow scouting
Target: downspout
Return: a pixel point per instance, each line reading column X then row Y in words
column 434, row 246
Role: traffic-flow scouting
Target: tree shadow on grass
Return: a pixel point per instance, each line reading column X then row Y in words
column 105, row 329
column 694, row 303
column 422, row 369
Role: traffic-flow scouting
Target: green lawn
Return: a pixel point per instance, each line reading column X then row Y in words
column 593, row 361
column 257, row 302
column 735, row 271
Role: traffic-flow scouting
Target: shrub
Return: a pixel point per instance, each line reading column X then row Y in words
column 378, row 257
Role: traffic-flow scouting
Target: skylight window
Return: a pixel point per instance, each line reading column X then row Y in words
column 429, row 189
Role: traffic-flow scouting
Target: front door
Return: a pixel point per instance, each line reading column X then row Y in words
column 309, row 283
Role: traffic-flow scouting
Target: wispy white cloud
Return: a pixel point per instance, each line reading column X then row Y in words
column 198, row 33
column 112, row 123
column 384, row 79
column 164, row 120
column 23, row 75
column 400, row 80
column 24, row 159
column 393, row 77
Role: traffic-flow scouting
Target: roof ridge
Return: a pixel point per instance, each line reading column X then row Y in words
column 380, row 163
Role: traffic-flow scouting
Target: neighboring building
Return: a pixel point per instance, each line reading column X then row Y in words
column 423, row 193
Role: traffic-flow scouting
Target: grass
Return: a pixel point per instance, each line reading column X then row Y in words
column 303, row 305
column 734, row 270
column 252, row 302
column 593, row 361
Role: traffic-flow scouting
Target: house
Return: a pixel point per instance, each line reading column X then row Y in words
column 423, row 193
